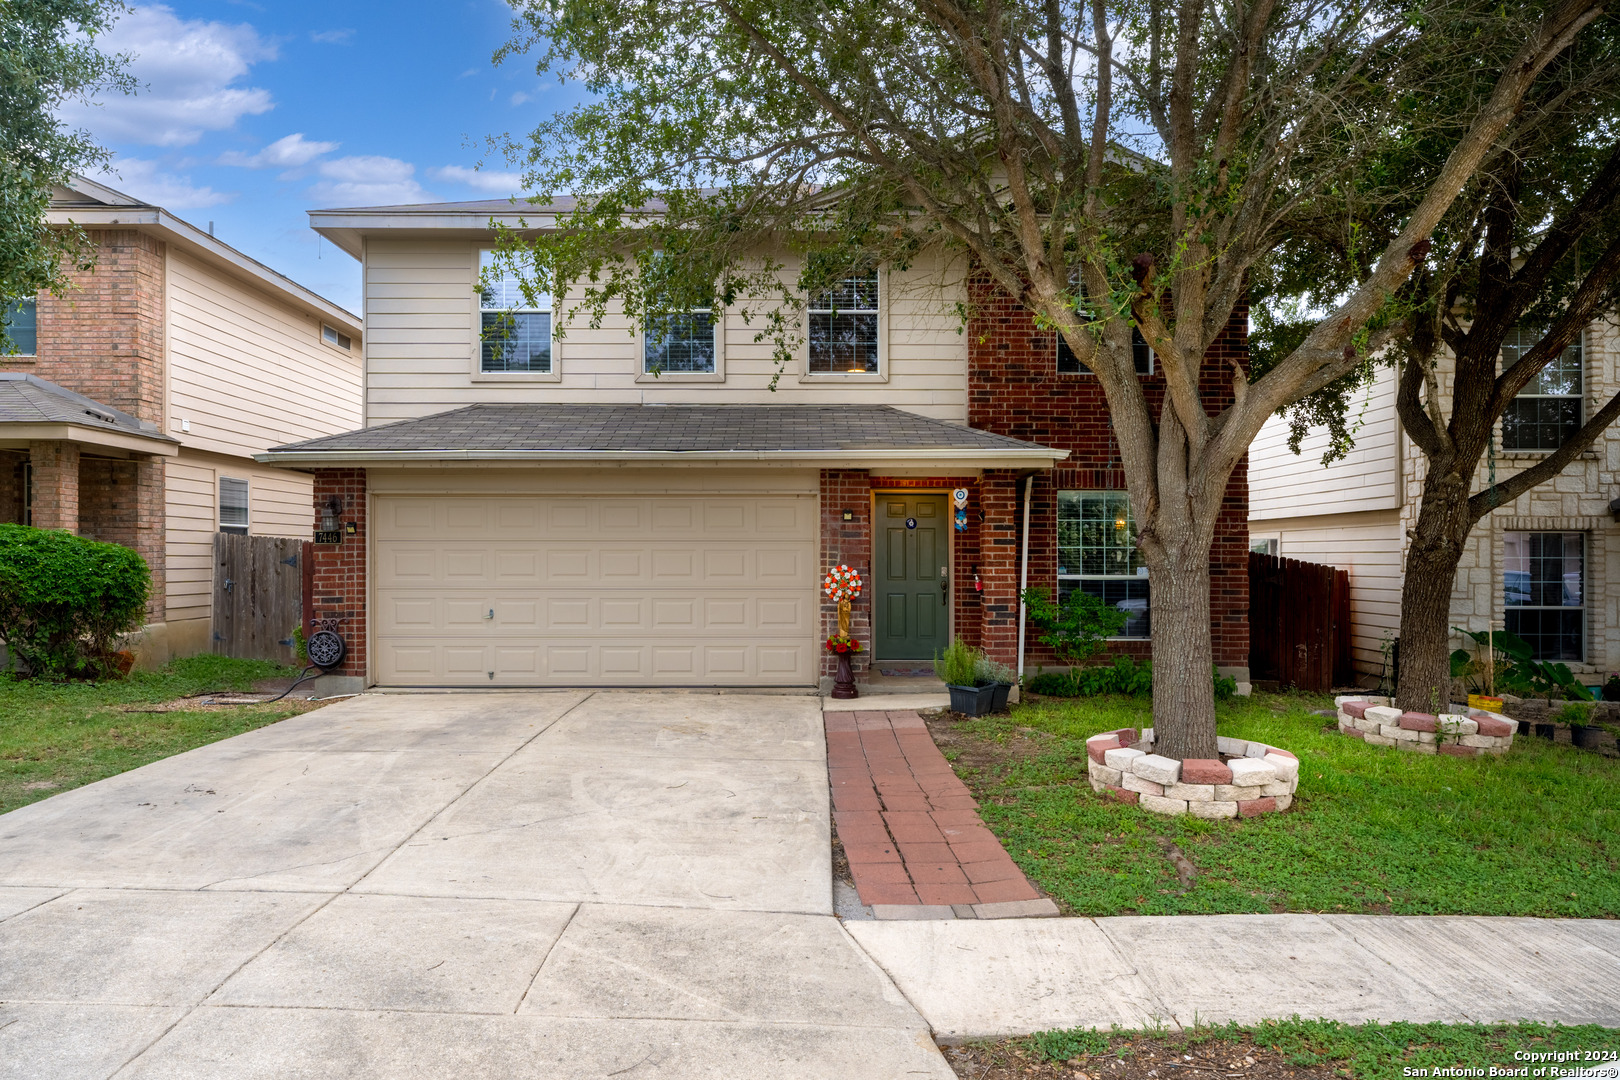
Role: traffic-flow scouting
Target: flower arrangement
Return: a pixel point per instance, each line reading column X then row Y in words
column 842, row 583
column 843, row 645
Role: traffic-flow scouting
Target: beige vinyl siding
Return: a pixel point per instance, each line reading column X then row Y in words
column 280, row 503
column 1283, row 484
column 1369, row 546
column 422, row 329
column 248, row 371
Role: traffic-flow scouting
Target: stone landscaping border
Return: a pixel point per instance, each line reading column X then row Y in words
column 1259, row 779
column 1372, row 719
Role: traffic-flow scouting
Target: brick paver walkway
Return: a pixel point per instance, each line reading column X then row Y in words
column 910, row 829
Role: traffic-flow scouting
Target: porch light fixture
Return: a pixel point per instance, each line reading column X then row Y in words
column 330, row 512
column 1119, row 523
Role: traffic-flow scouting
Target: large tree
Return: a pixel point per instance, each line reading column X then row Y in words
column 1110, row 165
column 1525, row 259
column 48, row 56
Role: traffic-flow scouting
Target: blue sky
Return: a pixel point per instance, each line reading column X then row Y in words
column 252, row 114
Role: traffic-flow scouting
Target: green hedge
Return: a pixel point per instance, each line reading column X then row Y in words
column 65, row 600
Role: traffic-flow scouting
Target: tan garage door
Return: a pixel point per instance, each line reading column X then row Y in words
column 595, row 591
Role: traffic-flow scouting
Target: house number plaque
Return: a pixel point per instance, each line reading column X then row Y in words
column 329, row 536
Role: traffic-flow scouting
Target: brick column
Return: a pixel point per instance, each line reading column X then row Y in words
column 151, row 530
column 850, row 543
column 339, row 572
column 998, row 565
column 56, row 485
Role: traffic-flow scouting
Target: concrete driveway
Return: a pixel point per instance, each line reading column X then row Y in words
column 479, row 885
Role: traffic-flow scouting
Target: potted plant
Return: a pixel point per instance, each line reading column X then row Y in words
column 958, row 665
column 843, row 646
column 998, row 676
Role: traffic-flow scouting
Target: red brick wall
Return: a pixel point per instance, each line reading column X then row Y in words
column 849, row 543
column 339, row 570
column 11, row 486
column 1014, row 388
column 104, row 337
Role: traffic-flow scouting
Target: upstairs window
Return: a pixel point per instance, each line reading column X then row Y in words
column 1097, row 554
column 844, row 327
column 233, row 505
column 21, row 337
column 682, row 344
column 1140, row 353
column 1548, row 410
column 515, row 332
column 332, row 336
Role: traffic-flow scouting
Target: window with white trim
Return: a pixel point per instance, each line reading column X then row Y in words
column 1263, row 545
column 233, row 505
column 681, row 344
column 1548, row 410
column 844, row 327
column 19, row 327
column 333, row 336
column 514, row 327
column 1544, row 592
column 1097, row 554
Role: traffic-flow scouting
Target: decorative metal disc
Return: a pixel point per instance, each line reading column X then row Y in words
column 325, row 649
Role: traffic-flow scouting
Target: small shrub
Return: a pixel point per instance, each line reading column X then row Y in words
column 1576, row 714
column 958, row 664
column 65, row 601
column 1054, row 684
column 1076, row 628
column 1225, row 686
column 988, row 672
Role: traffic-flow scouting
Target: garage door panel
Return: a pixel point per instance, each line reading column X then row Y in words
column 600, row 590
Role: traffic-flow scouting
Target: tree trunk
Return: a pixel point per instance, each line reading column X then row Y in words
column 1183, row 652
column 1431, row 570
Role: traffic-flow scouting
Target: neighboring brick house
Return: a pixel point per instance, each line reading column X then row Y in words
column 132, row 405
column 1545, row 566
column 616, row 508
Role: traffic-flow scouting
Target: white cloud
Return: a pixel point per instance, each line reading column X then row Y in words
column 496, row 183
column 332, row 37
column 367, row 180
column 520, row 98
column 147, row 181
column 187, row 69
column 287, row 152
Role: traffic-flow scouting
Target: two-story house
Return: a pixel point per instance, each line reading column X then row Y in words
column 1543, row 566
column 131, row 406
column 605, row 506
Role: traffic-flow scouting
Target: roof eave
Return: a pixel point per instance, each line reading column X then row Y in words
column 87, row 435
column 1033, row 457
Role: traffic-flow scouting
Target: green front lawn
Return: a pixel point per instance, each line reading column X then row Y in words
column 1372, row 829
column 56, row 736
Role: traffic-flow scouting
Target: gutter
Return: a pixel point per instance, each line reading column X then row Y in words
column 1033, row 457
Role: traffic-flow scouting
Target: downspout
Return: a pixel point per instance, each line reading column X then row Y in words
column 1023, row 573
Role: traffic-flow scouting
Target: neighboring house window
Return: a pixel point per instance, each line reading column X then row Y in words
column 515, row 332
column 681, row 343
column 1263, row 545
column 21, row 327
column 331, row 336
column 1068, row 362
column 1548, row 409
column 233, row 505
column 844, row 326
column 1097, row 554
column 1544, row 591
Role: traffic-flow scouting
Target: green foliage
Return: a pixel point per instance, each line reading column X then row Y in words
column 1225, row 686
column 988, row 672
column 1124, row 676
column 300, row 644
column 47, row 59
column 1576, row 713
column 1371, row 1051
column 65, row 600
column 1076, row 628
column 1528, row 833
column 958, row 664
column 1516, row 672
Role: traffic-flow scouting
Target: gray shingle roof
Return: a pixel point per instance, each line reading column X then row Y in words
column 28, row 399
column 665, row 428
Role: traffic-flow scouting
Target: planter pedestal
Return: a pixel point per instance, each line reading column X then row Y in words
column 844, row 683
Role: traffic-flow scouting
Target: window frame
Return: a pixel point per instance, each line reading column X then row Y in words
column 717, row 375
column 478, row 373
column 1138, row 574
column 882, row 312
column 1579, row 397
column 246, row 527
column 1580, row 609
column 32, row 301
column 1139, row 350
column 338, row 340
column 1273, row 545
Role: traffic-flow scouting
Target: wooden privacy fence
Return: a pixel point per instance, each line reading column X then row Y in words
column 1299, row 623
column 258, row 595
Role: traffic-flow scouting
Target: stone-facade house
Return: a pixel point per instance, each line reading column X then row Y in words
column 1545, row 566
column 606, row 507
column 132, row 405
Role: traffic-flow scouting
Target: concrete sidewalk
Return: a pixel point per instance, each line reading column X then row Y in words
column 1012, row 977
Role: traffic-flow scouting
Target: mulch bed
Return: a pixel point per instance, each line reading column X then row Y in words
column 1133, row 1058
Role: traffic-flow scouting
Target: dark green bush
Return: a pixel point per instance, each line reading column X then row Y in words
column 65, row 600
column 1075, row 628
column 1123, row 676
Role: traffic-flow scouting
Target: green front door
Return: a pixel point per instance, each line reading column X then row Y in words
column 912, row 571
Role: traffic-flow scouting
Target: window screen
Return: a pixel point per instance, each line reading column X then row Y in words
column 233, row 505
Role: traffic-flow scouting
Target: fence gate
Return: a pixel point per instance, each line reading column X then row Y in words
column 258, row 595
column 1299, row 623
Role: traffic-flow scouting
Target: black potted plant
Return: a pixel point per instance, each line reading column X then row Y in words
column 959, row 665
column 1611, row 687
